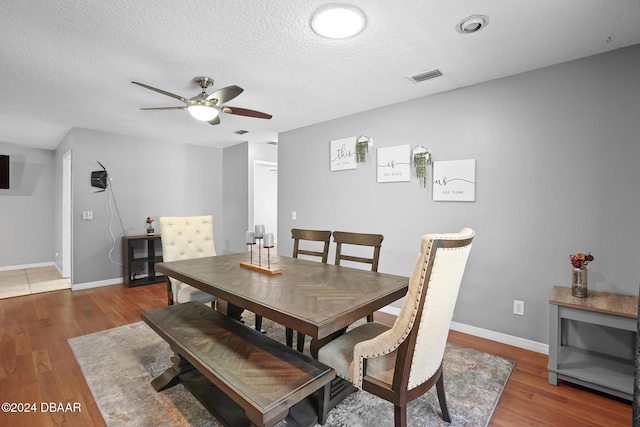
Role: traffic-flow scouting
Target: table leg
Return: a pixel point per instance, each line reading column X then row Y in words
column 555, row 341
column 171, row 376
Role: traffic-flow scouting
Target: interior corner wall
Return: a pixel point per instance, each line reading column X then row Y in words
column 26, row 208
column 235, row 200
column 557, row 154
column 148, row 178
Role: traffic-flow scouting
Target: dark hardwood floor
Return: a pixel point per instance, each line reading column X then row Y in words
column 38, row 369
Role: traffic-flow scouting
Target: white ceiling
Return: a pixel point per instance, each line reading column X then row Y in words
column 69, row 63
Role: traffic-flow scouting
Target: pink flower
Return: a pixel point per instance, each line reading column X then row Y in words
column 580, row 260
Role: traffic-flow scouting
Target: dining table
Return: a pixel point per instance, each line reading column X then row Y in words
column 313, row 298
column 317, row 299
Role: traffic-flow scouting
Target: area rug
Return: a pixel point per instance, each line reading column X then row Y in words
column 119, row 364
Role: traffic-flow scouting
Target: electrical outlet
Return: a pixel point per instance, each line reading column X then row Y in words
column 293, row 215
column 518, row 307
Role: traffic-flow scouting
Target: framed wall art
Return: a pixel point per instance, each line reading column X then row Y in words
column 394, row 164
column 343, row 154
column 454, row 180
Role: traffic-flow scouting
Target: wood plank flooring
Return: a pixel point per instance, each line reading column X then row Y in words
column 38, row 367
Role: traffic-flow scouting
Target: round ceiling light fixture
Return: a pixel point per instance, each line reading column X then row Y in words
column 338, row 21
column 472, row 24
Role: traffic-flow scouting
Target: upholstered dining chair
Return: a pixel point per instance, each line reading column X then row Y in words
column 358, row 239
column 402, row 362
column 186, row 238
column 298, row 235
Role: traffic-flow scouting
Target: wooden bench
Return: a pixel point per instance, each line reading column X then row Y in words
column 242, row 376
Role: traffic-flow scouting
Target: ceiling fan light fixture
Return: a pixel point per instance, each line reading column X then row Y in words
column 202, row 112
column 338, row 21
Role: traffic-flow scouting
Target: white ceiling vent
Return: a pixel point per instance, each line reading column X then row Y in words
column 427, row 75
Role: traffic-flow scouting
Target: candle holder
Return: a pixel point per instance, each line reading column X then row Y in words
column 268, row 243
column 265, row 240
column 251, row 240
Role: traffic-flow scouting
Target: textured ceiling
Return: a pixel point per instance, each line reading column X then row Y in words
column 69, row 63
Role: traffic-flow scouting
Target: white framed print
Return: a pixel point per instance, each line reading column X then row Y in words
column 343, row 154
column 454, row 180
column 393, row 163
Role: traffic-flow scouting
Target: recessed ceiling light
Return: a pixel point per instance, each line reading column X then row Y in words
column 338, row 21
column 472, row 24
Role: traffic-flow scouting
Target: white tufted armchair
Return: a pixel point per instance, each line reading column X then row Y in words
column 402, row 362
column 186, row 238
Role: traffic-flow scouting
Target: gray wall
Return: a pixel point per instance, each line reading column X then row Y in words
column 149, row 178
column 557, row 152
column 235, row 199
column 26, row 209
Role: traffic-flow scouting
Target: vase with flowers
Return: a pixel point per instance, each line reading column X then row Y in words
column 149, row 221
column 579, row 263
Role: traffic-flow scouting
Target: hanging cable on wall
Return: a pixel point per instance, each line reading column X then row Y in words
column 101, row 179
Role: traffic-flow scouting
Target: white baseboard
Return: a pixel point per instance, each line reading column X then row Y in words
column 526, row 344
column 97, row 284
column 25, row 266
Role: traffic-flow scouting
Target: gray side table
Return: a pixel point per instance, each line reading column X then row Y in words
column 597, row 371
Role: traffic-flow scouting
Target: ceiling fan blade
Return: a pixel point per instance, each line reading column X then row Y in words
column 164, row 92
column 163, row 108
column 214, row 121
column 246, row 112
column 225, row 94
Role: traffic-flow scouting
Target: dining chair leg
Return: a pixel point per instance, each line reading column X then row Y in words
column 259, row 324
column 289, row 337
column 370, row 317
column 400, row 415
column 442, row 398
column 300, row 342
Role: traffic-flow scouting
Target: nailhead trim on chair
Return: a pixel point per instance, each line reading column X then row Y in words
column 411, row 321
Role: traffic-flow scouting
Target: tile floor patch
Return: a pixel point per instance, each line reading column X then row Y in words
column 14, row 283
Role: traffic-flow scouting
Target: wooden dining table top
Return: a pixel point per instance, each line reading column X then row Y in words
column 311, row 297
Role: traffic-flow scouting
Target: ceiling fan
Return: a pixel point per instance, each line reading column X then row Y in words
column 205, row 107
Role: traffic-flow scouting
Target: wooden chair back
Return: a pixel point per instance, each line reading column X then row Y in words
column 360, row 239
column 311, row 235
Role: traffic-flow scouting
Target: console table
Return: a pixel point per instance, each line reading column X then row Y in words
column 591, row 369
column 142, row 253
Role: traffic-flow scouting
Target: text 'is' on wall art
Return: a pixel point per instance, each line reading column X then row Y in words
column 393, row 163
column 343, row 154
column 362, row 148
column 454, row 180
column 421, row 159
